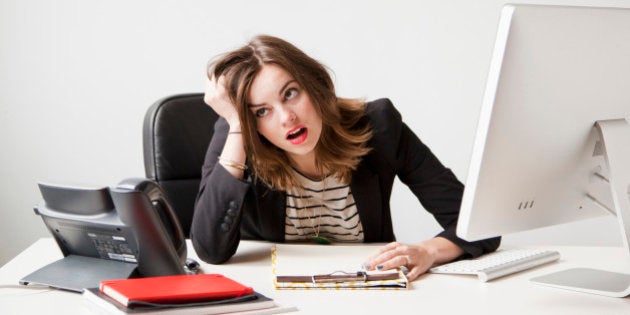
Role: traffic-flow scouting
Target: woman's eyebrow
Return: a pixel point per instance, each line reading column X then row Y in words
column 279, row 93
column 285, row 86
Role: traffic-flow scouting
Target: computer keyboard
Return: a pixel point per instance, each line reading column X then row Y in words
column 499, row 263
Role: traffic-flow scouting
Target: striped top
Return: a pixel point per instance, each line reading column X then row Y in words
column 325, row 205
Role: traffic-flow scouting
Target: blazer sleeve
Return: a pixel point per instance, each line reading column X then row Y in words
column 215, row 229
column 436, row 187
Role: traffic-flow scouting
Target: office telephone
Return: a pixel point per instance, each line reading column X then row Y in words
column 129, row 230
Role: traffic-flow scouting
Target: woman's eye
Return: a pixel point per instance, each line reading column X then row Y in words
column 261, row 112
column 290, row 93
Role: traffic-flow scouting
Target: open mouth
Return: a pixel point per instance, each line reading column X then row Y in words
column 296, row 134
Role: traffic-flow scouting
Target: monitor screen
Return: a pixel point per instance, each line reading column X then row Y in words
column 553, row 139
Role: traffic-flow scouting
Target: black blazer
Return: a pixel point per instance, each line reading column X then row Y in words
column 228, row 209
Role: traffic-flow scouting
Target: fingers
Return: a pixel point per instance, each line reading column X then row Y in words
column 210, row 91
column 217, row 97
column 414, row 273
column 215, row 89
column 214, row 80
column 396, row 255
column 393, row 263
column 383, row 250
column 219, row 84
column 392, row 255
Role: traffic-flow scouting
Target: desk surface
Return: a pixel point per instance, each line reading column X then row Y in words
column 432, row 293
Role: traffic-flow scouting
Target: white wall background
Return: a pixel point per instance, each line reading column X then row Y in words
column 76, row 78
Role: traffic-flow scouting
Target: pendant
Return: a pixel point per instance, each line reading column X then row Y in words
column 320, row 240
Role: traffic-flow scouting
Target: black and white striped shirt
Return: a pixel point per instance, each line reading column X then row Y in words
column 326, row 206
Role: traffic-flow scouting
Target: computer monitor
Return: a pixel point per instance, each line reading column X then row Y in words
column 553, row 140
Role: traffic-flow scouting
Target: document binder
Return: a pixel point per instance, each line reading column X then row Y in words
column 174, row 289
column 339, row 276
column 298, row 266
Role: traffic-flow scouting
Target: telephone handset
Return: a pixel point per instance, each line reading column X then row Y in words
column 142, row 204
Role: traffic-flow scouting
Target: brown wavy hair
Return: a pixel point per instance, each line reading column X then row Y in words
column 345, row 131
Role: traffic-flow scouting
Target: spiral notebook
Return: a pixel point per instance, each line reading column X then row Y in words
column 301, row 266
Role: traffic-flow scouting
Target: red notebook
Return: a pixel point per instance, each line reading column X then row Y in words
column 174, row 289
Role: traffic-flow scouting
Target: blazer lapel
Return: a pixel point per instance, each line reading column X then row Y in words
column 272, row 207
column 367, row 195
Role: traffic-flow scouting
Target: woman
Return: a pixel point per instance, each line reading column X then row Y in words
column 290, row 161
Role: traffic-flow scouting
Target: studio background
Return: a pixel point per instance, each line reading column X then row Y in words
column 76, row 78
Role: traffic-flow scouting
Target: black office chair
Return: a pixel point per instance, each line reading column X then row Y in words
column 176, row 133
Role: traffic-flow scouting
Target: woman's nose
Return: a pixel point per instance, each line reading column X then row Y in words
column 288, row 115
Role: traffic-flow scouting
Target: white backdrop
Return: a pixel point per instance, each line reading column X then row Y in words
column 77, row 76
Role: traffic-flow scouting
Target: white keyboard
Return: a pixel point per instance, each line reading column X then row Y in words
column 499, row 263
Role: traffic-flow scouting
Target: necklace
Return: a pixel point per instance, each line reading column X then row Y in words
column 318, row 239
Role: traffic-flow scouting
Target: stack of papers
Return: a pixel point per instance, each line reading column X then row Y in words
column 180, row 294
column 103, row 304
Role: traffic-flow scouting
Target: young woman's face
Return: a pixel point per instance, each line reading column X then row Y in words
column 284, row 113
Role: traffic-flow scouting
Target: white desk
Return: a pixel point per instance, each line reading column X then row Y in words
column 432, row 293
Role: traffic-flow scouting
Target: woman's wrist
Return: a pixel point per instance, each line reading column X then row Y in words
column 235, row 129
column 234, row 122
column 441, row 249
column 233, row 164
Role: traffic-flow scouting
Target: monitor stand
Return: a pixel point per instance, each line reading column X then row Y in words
column 614, row 136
